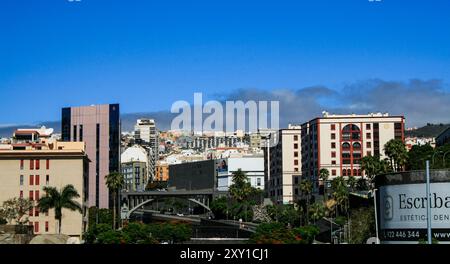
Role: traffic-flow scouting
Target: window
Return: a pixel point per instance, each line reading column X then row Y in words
column 21, row 164
column 21, row 180
column 356, row 145
column 368, row 136
column 295, row 169
column 36, row 211
column 31, row 195
column 30, row 212
column 47, row 179
column 333, row 136
column 46, row 226
column 38, row 163
column 258, row 182
column 333, row 162
column 295, row 138
column 344, row 172
column 355, row 172
column 346, row 145
column 21, row 194
column 333, row 145
column 296, row 154
column 36, row 195
column 295, row 180
column 368, row 144
column 296, row 146
column 295, row 162
column 36, row 180
column 367, row 126
column 36, row 227
column 333, row 154
column 31, row 180
column 31, row 164
column 333, row 172
column 333, row 127
column 47, row 165
column 398, row 126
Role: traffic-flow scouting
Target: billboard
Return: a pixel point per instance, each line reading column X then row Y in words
column 222, row 167
column 403, row 212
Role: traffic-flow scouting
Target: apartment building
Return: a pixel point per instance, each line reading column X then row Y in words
column 146, row 134
column 339, row 142
column 32, row 161
column 283, row 163
column 134, row 165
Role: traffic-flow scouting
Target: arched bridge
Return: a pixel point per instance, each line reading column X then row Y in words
column 136, row 200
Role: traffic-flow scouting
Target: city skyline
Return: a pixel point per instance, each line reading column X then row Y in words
column 146, row 56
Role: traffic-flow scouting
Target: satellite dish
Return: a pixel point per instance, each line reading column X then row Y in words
column 373, row 240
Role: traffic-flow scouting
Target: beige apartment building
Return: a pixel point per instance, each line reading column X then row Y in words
column 339, row 142
column 31, row 162
column 283, row 174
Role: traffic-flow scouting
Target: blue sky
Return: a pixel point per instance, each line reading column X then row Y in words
column 147, row 54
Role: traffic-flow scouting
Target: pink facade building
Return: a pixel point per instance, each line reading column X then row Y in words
column 99, row 127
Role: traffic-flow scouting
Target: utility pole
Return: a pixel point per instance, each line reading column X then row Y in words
column 428, row 203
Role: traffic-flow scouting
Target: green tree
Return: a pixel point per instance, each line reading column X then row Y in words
column 351, row 181
column 317, row 211
column 59, row 200
column 395, row 149
column 241, row 189
column 417, row 156
column 277, row 233
column 323, row 175
column 362, row 225
column 340, row 193
column 16, row 209
column 219, row 207
column 306, row 188
column 115, row 182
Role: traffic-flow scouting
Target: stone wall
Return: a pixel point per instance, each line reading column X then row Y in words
column 15, row 234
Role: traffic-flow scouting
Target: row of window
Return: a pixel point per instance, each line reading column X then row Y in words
column 35, row 164
column 33, row 195
column 36, row 226
column 354, row 136
column 34, row 180
column 348, row 127
column 35, row 212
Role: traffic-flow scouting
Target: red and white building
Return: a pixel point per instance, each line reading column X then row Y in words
column 339, row 142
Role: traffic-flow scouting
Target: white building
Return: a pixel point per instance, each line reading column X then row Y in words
column 135, row 168
column 253, row 167
column 146, row 132
column 283, row 165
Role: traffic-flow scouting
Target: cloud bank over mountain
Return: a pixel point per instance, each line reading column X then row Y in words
column 420, row 101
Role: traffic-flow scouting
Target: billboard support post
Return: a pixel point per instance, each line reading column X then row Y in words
column 376, row 214
column 428, row 203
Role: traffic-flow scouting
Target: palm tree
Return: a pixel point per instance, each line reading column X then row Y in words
column 323, row 175
column 115, row 182
column 396, row 151
column 370, row 166
column 241, row 189
column 59, row 200
column 317, row 211
column 351, row 181
column 306, row 189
